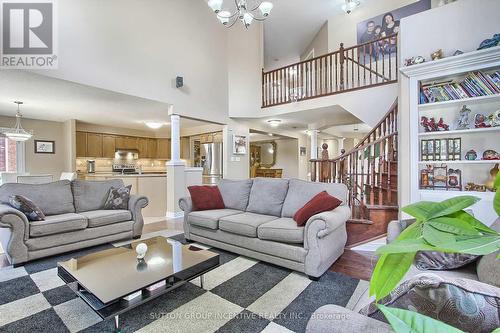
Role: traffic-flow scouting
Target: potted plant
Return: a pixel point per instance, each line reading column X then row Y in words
column 440, row 226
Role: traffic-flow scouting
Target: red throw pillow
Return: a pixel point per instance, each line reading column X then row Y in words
column 321, row 202
column 206, row 197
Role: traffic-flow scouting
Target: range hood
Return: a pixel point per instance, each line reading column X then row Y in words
column 126, row 154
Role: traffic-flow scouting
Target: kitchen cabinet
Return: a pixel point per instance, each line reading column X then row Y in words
column 152, row 148
column 94, row 145
column 120, row 142
column 131, row 142
column 206, row 138
column 108, row 146
column 217, row 137
column 163, row 149
column 142, row 146
column 81, row 144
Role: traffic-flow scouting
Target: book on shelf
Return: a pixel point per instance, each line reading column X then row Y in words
column 474, row 84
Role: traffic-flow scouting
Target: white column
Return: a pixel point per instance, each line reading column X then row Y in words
column 176, row 178
column 314, row 144
column 175, row 138
column 341, row 144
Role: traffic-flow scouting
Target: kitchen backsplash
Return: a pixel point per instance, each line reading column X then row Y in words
column 106, row 164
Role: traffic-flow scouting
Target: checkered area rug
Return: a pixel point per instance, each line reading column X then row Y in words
column 242, row 295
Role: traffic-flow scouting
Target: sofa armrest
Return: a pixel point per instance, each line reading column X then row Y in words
column 322, row 224
column 15, row 220
column 333, row 318
column 394, row 228
column 135, row 205
column 186, row 204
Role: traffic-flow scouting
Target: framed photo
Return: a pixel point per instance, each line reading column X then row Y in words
column 303, row 151
column 45, row 147
column 239, row 144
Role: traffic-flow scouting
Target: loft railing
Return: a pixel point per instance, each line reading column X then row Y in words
column 369, row 170
column 362, row 66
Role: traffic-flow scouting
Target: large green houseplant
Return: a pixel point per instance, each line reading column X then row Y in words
column 440, row 226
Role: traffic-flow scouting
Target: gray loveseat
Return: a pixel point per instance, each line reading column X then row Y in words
column 75, row 218
column 257, row 222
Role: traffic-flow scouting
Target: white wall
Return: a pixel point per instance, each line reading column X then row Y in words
column 138, row 48
column 467, row 23
column 287, row 157
column 319, row 43
column 235, row 166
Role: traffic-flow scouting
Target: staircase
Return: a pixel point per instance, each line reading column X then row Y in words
column 370, row 172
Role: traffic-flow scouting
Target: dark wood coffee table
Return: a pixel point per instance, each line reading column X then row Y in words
column 114, row 281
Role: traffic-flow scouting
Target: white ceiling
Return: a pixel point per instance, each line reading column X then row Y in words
column 53, row 99
column 293, row 24
column 347, row 131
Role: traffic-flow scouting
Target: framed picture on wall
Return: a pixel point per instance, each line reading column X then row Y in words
column 45, row 147
column 239, row 144
column 303, row 151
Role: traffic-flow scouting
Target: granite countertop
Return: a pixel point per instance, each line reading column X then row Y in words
column 115, row 174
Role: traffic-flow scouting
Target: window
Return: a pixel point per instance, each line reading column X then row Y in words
column 8, row 155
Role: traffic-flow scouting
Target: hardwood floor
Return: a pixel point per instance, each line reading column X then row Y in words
column 353, row 263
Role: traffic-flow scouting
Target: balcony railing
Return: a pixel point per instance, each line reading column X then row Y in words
column 362, row 66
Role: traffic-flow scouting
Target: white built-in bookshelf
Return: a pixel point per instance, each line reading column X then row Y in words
column 443, row 164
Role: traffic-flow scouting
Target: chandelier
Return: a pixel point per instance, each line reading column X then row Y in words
column 350, row 5
column 18, row 133
column 246, row 11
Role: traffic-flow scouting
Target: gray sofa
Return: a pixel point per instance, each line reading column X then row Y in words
column 75, row 218
column 333, row 318
column 257, row 222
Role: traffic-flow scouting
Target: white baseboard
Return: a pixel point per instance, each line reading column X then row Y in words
column 371, row 246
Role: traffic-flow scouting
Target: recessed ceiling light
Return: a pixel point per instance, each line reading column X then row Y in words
column 154, row 124
column 270, row 134
column 274, row 122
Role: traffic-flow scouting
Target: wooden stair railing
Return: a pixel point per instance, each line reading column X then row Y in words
column 369, row 170
column 361, row 66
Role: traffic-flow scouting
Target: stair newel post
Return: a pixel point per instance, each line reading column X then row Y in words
column 342, row 60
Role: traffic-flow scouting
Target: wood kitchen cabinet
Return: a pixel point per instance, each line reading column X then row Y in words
column 94, row 145
column 142, row 146
column 217, row 137
column 81, row 144
column 131, row 142
column 108, row 146
column 152, row 148
column 163, row 149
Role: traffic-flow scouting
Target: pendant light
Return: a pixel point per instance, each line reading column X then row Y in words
column 18, row 133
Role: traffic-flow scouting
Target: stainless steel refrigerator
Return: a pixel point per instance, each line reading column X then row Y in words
column 211, row 161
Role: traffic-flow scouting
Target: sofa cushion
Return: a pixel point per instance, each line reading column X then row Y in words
column 209, row 218
column 27, row 207
column 99, row 218
column 92, row 194
column 56, row 224
column 321, row 202
column 468, row 305
column 118, row 198
column 206, row 197
column 300, row 192
column 245, row 224
column 281, row 230
column 433, row 260
column 235, row 193
column 53, row 198
column 267, row 196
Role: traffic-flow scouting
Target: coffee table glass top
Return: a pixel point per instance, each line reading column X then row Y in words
column 115, row 273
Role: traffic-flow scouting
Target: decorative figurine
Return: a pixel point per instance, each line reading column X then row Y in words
column 458, row 52
column 475, row 187
column 491, row 181
column 480, row 121
column 471, row 155
column 487, row 43
column 141, row 250
column 455, row 179
column 424, row 121
column 463, row 118
column 490, row 154
column 494, row 118
column 437, row 54
column 442, row 125
column 414, row 60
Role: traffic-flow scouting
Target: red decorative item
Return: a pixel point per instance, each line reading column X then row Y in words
column 442, row 125
column 321, row 202
column 206, row 197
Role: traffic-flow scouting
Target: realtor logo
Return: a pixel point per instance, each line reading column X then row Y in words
column 28, row 34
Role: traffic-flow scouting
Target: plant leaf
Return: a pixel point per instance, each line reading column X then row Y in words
column 496, row 201
column 452, row 205
column 453, row 225
column 389, row 270
column 420, row 210
column 437, row 237
column 405, row 246
column 481, row 245
column 413, row 322
column 413, row 231
column 464, row 216
column 496, row 184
